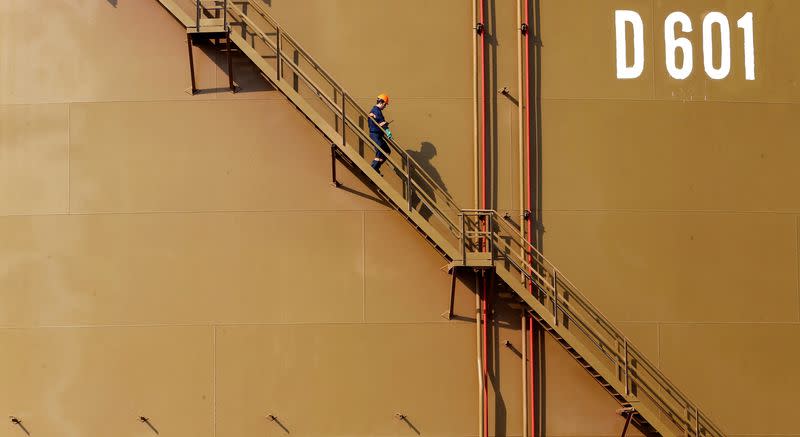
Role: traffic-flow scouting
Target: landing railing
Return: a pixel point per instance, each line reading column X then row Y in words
column 474, row 232
column 566, row 307
column 216, row 7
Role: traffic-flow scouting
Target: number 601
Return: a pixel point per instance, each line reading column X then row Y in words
column 673, row 44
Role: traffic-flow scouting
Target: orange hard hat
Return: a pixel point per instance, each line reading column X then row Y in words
column 384, row 97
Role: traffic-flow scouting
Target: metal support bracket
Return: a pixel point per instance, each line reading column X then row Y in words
column 189, row 41
column 230, row 61
column 627, row 413
column 18, row 422
column 449, row 313
column 190, row 38
column 334, row 155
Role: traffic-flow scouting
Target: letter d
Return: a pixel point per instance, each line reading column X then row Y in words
column 623, row 70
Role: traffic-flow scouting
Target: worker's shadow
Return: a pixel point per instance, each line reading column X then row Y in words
column 423, row 158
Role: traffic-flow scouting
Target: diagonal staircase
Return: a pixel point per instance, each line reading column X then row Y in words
column 467, row 238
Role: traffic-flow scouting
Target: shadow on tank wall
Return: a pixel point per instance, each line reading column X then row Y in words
column 246, row 76
column 423, row 157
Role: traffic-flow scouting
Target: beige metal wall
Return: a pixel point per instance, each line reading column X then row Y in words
column 185, row 258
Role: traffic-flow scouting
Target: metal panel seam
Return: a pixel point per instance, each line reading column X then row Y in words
column 364, row 266
column 69, row 159
column 214, row 380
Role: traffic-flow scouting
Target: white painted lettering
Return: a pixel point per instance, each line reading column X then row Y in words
column 708, row 45
column 672, row 45
column 746, row 23
column 623, row 70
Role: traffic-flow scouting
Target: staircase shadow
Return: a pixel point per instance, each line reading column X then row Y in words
column 423, row 157
column 365, row 181
column 246, row 75
column 364, row 195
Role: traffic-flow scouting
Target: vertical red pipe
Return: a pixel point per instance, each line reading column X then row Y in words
column 531, row 216
column 485, row 299
column 483, row 106
column 485, row 358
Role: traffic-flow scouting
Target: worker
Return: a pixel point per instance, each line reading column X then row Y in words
column 378, row 130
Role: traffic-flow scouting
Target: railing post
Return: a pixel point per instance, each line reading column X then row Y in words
column 344, row 117
column 295, row 77
column 279, row 65
column 625, row 373
column 463, row 240
column 490, row 236
column 555, row 297
column 197, row 15
column 408, row 181
column 225, row 14
column 696, row 422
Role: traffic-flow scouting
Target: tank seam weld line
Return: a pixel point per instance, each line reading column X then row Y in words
column 69, row 158
column 210, row 211
column 214, row 380
column 235, row 324
column 797, row 263
column 363, row 266
column 658, row 344
column 371, row 211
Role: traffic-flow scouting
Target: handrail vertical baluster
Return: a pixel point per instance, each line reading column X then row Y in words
column 626, row 374
column 696, row 422
column 197, row 15
column 490, row 235
column 279, row 65
column 463, row 240
column 408, row 182
column 344, row 117
column 225, row 14
column 555, row 297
